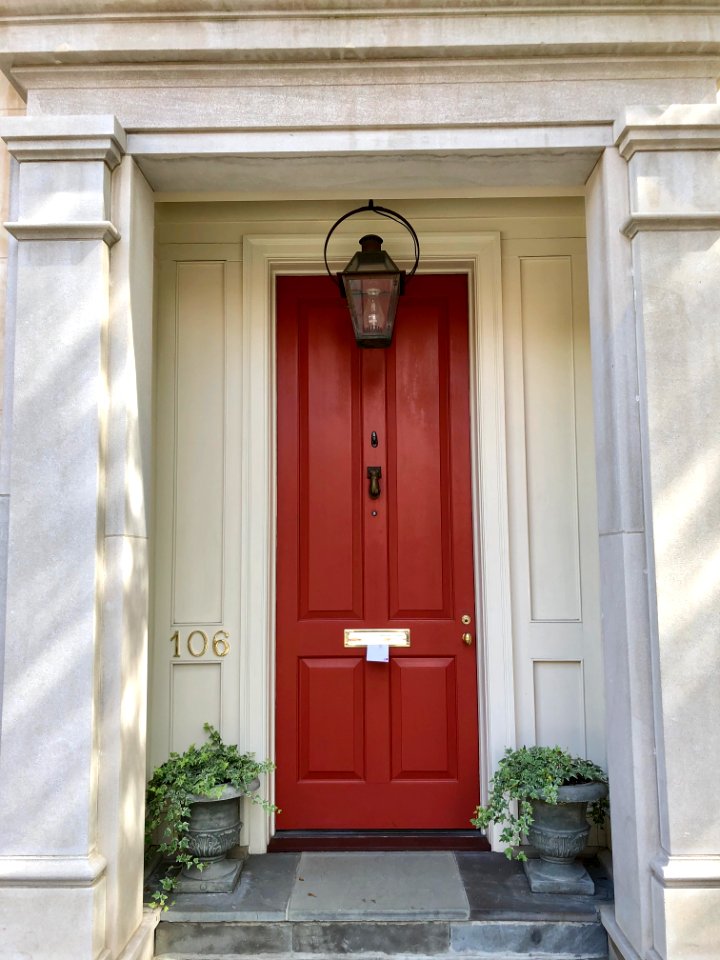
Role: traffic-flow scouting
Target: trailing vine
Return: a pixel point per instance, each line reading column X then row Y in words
column 198, row 772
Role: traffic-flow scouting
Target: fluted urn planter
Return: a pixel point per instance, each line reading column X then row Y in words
column 543, row 793
column 559, row 833
column 214, row 829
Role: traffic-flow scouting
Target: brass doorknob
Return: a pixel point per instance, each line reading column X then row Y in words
column 467, row 639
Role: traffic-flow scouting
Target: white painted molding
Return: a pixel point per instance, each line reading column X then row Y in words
column 97, row 137
column 694, row 126
column 684, row 871
column 264, row 258
column 654, row 222
column 72, row 230
column 52, row 871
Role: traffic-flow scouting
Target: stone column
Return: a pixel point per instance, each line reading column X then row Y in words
column 656, row 321
column 62, row 577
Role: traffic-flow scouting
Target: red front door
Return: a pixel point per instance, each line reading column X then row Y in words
column 365, row 745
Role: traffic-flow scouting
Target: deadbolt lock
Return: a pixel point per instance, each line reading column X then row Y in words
column 466, row 619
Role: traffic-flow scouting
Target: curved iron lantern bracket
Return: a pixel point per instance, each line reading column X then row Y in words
column 381, row 212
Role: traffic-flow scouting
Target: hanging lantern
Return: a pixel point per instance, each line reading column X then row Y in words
column 372, row 283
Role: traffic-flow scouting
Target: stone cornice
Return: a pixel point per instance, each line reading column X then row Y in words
column 355, row 32
column 678, row 127
column 64, row 138
column 78, row 230
column 207, row 8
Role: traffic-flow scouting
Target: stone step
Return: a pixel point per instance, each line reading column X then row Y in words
column 367, row 940
column 361, row 906
column 365, row 956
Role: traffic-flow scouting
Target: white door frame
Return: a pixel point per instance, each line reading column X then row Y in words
column 265, row 258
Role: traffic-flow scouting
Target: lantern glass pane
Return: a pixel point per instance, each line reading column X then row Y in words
column 373, row 303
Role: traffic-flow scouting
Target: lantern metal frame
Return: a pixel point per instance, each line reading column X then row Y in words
column 404, row 277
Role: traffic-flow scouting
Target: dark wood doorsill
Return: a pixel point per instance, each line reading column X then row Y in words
column 291, row 841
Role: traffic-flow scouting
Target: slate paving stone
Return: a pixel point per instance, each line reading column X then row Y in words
column 203, row 939
column 383, row 886
column 497, row 889
column 522, row 939
column 335, row 939
column 262, row 893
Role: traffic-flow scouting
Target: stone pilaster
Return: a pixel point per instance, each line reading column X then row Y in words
column 50, row 862
column 673, row 225
column 627, row 654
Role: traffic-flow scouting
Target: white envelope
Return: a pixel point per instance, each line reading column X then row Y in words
column 377, row 652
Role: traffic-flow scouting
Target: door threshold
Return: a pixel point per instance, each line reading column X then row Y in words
column 292, row 841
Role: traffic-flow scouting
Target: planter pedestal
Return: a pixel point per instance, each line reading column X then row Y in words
column 559, row 833
column 546, row 877
column 214, row 829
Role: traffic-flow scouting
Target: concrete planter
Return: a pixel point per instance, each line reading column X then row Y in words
column 214, row 829
column 559, row 833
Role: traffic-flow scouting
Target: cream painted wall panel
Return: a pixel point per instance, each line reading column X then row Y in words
column 560, row 704
column 550, row 453
column 200, row 444
column 226, row 222
column 551, row 484
column 197, row 524
column 196, row 699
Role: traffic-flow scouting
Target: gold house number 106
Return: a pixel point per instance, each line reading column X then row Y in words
column 197, row 643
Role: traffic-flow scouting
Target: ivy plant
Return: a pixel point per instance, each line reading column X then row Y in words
column 533, row 773
column 198, row 772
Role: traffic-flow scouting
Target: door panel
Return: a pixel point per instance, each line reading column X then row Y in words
column 329, row 461
column 331, row 697
column 418, row 448
column 364, row 745
column 423, row 692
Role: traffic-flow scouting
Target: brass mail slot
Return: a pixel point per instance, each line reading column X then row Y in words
column 366, row 638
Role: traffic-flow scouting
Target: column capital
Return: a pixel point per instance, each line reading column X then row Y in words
column 93, row 137
column 671, row 155
column 63, row 188
column 693, row 126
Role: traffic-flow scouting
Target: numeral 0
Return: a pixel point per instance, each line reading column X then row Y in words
column 197, row 643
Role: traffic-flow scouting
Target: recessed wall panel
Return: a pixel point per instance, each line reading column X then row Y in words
column 551, row 450
column 196, row 699
column 559, row 705
column 199, row 443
